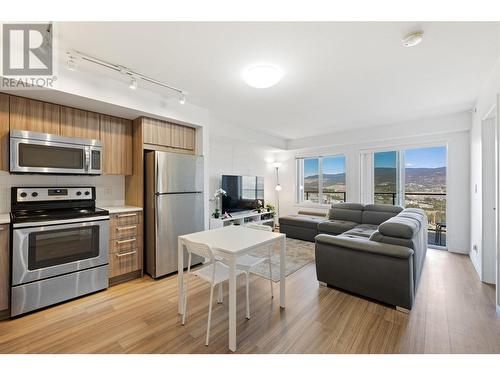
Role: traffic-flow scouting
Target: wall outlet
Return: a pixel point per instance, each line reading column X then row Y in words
column 108, row 191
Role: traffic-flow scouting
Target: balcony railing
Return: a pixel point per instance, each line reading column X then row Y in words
column 331, row 196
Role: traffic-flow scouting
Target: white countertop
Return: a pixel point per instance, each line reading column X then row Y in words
column 5, row 218
column 119, row 209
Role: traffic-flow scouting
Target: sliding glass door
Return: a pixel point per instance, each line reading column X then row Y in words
column 414, row 178
column 425, row 188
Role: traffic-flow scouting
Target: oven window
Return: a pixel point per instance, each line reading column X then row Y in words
column 31, row 155
column 55, row 247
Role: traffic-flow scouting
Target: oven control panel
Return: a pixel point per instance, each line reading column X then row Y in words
column 34, row 194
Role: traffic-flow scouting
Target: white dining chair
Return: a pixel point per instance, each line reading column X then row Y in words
column 246, row 262
column 213, row 271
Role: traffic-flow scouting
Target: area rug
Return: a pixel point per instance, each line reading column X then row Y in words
column 298, row 254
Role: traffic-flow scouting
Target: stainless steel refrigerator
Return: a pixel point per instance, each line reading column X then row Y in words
column 173, row 207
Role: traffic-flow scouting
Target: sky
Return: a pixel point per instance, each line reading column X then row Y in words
column 431, row 157
column 331, row 165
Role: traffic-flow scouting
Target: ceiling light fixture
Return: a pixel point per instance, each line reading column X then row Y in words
column 262, row 76
column 134, row 76
column 412, row 39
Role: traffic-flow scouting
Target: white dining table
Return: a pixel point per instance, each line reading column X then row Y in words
column 230, row 242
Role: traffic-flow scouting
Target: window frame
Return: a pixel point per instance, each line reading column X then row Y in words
column 299, row 179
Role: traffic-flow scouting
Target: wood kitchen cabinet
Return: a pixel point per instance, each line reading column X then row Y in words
column 162, row 133
column 79, row 123
column 4, row 268
column 183, row 137
column 116, row 138
column 34, row 115
column 4, row 132
column 125, row 246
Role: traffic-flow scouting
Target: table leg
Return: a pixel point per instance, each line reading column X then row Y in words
column 232, row 303
column 180, row 273
column 282, row 270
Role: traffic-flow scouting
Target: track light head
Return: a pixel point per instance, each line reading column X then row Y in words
column 71, row 61
column 133, row 83
column 182, row 98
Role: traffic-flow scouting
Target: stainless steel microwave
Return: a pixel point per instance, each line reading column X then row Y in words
column 32, row 152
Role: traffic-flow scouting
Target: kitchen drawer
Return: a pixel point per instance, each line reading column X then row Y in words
column 121, row 246
column 125, row 226
column 126, row 218
column 125, row 262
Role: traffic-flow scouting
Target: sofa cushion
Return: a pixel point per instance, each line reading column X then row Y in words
column 363, row 244
column 335, row 226
column 376, row 214
column 346, row 212
column 301, row 221
column 362, row 230
column 400, row 226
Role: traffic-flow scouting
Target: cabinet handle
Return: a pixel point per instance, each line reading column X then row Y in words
column 126, row 215
column 2, row 227
column 119, row 242
column 125, row 254
column 125, row 228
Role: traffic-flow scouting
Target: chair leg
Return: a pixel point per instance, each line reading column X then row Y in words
column 220, row 299
column 247, row 277
column 209, row 313
column 270, row 274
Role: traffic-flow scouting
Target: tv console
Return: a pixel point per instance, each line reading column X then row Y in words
column 242, row 218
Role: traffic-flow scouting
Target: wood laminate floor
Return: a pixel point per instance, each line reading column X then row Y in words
column 454, row 313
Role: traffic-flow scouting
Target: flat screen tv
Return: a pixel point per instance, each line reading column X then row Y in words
column 243, row 192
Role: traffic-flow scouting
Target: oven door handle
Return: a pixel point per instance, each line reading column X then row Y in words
column 57, row 222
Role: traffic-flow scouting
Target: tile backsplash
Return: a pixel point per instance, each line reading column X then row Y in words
column 110, row 190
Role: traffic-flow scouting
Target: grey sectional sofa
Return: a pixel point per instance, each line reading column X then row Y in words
column 377, row 251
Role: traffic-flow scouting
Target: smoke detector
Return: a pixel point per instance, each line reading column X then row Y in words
column 412, row 39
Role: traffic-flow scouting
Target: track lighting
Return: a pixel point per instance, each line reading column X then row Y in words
column 133, row 76
column 182, row 98
column 133, row 83
column 70, row 61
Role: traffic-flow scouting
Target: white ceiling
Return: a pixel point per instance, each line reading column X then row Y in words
column 338, row 76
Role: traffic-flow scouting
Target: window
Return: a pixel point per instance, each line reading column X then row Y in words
column 321, row 179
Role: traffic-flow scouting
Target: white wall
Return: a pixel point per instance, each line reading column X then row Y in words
column 240, row 157
column 450, row 130
column 485, row 103
column 487, row 100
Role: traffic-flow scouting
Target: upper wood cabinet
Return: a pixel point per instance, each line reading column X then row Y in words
column 33, row 115
column 4, row 132
column 78, row 123
column 183, row 137
column 162, row 133
column 157, row 132
column 116, row 138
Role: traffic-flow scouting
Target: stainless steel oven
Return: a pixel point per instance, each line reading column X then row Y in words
column 32, row 152
column 60, row 246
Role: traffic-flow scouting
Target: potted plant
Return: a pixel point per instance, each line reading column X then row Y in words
column 259, row 207
column 217, row 195
column 270, row 208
